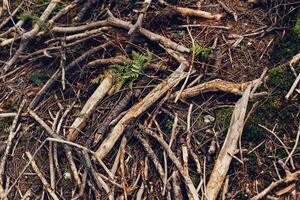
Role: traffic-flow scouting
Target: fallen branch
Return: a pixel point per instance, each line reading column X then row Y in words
column 215, row 86
column 152, row 155
column 119, row 108
column 139, row 108
column 12, row 133
column 56, row 76
column 187, row 180
column 290, row 177
column 139, row 21
column 191, row 12
column 287, row 96
column 26, row 37
column 223, row 161
column 90, row 106
column 113, row 21
column 41, row 176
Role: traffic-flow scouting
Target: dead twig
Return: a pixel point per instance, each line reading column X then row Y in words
column 139, row 108
column 217, row 85
column 12, row 133
column 90, row 106
column 141, row 16
column 41, row 176
column 223, row 161
column 188, row 182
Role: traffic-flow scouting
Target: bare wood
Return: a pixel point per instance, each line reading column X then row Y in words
column 192, row 12
column 289, row 178
column 187, row 180
column 217, row 85
column 12, row 133
column 26, row 37
column 295, row 146
column 66, row 148
column 64, row 11
column 11, row 15
column 176, row 186
column 287, row 96
column 113, row 21
column 223, row 161
column 41, row 176
column 56, row 76
column 152, row 155
column 139, row 21
column 139, row 108
column 90, row 106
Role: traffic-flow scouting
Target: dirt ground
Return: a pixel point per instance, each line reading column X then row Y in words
column 249, row 38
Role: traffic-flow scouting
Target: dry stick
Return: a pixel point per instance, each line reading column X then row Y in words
column 287, row 96
column 12, row 134
column 225, row 188
column 82, row 28
column 27, row 195
column 41, row 176
column 64, row 11
column 229, row 10
column 141, row 16
column 290, row 177
column 281, row 142
column 51, row 153
column 192, row 12
column 7, row 191
column 86, row 7
column 116, row 163
column 67, row 148
column 223, row 161
column 11, row 15
column 152, row 155
column 295, row 146
column 119, row 108
column 139, row 108
column 176, row 185
column 113, row 21
column 107, row 61
column 90, row 106
column 262, row 76
column 188, row 182
column 79, row 35
column 99, row 181
column 56, row 163
column 217, row 85
column 26, row 37
column 83, row 185
column 56, row 76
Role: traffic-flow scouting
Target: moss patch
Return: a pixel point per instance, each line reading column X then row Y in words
column 274, row 109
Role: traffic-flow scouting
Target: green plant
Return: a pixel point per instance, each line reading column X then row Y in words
column 200, row 51
column 40, row 77
column 129, row 70
column 297, row 26
column 26, row 15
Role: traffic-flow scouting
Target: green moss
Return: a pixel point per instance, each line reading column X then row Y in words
column 195, row 178
column 297, row 26
column 280, row 153
column 40, row 77
column 281, row 78
column 286, row 48
column 224, row 116
column 274, row 109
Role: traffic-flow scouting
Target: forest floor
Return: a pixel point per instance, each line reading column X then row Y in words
column 195, row 102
